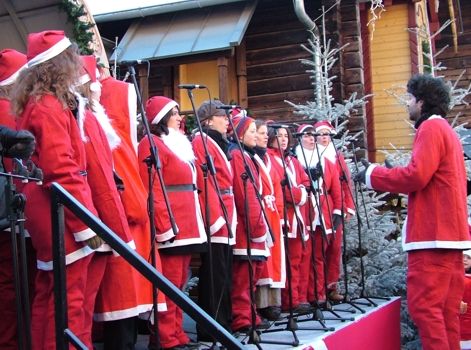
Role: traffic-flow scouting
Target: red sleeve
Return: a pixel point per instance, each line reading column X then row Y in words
column 299, row 196
column 161, row 217
column 347, row 185
column 256, row 220
column 210, row 196
column 426, row 156
column 57, row 156
column 334, row 188
column 100, row 175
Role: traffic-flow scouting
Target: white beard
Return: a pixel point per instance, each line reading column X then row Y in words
column 179, row 144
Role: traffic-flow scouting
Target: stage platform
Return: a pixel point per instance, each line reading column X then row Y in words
column 378, row 328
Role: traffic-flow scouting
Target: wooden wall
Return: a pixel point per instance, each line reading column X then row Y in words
column 273, row 51
column 390, row 69
column 457, row 62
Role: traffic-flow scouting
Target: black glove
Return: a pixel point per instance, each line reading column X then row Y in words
column 361, row 175
column 389, row 164
column 118, row 181
column 316, row 172
column 16, row 144
column 336, row 221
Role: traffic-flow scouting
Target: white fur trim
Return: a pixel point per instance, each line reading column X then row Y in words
column 179, row 144
column 69, row 258
column 368, row 173
column 165, row 236
column 217, row 225
column 84, row 235
column 99, row 111
column 12, row 78
column 82, row 102
column 52, row 52
column 132, row 110
column 163, row 112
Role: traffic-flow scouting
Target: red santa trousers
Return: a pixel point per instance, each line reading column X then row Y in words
column 294, row 250
column 96, row 270
column 318, row 270
column 241, row 302
column 171, row 333
column 333, row 258
column 42, row 316
column 435, row 284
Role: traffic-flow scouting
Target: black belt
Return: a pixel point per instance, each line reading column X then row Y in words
column 82, row 172
column 181, row 188
column 226, row 191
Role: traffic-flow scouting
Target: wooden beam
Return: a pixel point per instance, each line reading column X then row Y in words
column 241, row 72
column 20, row 27
column 223, row 76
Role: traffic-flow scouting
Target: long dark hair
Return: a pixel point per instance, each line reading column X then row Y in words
column 161, row 127
column 272, row 135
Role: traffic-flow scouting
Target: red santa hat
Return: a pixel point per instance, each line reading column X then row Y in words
column 12, row 63
column 324, row 124
column 157, row 107
column 45, row 45
column 241, row 124
column 304, row 127
column 89, row 72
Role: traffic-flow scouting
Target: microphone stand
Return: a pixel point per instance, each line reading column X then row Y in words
column 363, row 295
column 318, row 315
column 15, row 204
column 344, row 179
column 153, row 161
column 247, row 175
column 209, row 167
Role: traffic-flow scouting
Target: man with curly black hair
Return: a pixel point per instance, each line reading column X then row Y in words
column 436, row 230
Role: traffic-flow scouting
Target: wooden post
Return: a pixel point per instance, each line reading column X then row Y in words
column 241, row 71
column 223, row 74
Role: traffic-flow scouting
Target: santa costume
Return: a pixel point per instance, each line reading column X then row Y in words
column 289, row 169
column 179, row 177
column 60, row 153
column 251, row 250
column 219, row 304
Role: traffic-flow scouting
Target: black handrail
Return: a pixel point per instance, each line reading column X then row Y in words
column 59, row 198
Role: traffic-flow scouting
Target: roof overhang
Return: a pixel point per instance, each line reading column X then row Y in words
column 191, row 32
column 124, row 9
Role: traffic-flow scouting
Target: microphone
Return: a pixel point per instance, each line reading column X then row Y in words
column 132, row 62
column 278, row 126
column 191, row 86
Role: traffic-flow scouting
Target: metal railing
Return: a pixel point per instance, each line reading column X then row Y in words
column 60, row 198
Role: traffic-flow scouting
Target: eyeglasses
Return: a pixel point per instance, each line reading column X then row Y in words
column 324, row 134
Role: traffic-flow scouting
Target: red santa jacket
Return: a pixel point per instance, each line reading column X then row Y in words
column 60, row 154
column 328, row 197
column 274, row 272
column 346, row 185
column 180, row 182
column 119, row 100
column 295, row 198
column 100, row 177
column 257, row 227
column 435, row 180
column 218, row 227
